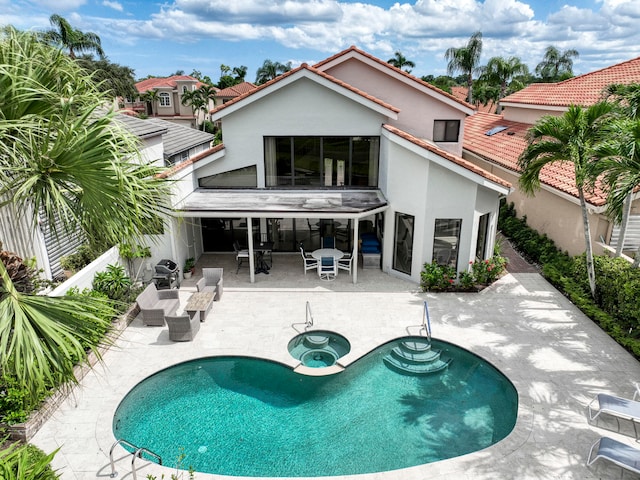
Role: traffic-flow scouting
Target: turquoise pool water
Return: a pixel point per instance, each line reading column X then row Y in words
column 243, row 416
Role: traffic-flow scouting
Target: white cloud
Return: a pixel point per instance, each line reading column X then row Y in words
column 115, row 5
column 60, row 5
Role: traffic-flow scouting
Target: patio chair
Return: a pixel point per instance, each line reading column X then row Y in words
column 346, row 262
column 310, row 263
column 313, row 230
column 327, row 268
column 242, row 254
column 182, row 328
column 618, row 453
column 211, row 281
column 328, row 242
column 617, row 407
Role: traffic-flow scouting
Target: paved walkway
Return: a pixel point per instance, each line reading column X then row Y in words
column 517, row 264
column 556, row 358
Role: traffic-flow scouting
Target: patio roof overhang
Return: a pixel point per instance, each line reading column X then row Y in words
column 267, row 203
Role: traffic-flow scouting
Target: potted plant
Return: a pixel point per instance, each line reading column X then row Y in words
column 189, row 267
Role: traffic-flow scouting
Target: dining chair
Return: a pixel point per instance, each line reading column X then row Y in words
column 242, row 254
column 310, row 263
column 327, row 268
column 345, row 263
column 328, row 242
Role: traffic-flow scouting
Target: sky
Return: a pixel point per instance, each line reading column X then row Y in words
column 161, row 37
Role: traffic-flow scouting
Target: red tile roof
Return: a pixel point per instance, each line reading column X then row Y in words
column 447, row 155
column 165, row 82
column 304, row 66
column 504, row 148
column 419, row 81
column 236, row 90
column 582, row 90
column 461, row 94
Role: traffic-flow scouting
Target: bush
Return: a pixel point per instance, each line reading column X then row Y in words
column 113, row 282
column 16, row 403
column 79, row 259
column 26, row 462
column 436, row 277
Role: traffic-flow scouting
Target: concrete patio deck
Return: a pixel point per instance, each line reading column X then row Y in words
column 556, row 357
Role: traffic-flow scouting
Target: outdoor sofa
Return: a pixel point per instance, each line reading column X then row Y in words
column 156, row 304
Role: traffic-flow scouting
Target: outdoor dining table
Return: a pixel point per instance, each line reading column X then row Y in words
column 327, row 252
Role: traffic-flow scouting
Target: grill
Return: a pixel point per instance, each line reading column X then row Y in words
column 167, row 274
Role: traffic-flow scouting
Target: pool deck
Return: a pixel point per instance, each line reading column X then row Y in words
column 556, row 357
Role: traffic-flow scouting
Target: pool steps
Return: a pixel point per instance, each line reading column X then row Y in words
column 415, row 357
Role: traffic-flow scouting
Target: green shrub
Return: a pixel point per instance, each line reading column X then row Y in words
column 16, row 403
column 79, row 259
column 436, row 277
column 486, row 272
column 113, row 282
column 26, row 462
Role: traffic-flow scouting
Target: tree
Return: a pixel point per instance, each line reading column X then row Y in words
column 194, row 99
column 443, row 82
column 399, row 61
column 239, row 73
column 72, row 39
column 270, row 70
column 569, row 138
column 62, row 157
column 555, row 64
column 500, row 72
column 113, row 79
column 151, row 96
column 465, row 59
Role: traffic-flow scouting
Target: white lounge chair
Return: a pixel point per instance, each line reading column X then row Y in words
column 615, row 452
column 617, row 407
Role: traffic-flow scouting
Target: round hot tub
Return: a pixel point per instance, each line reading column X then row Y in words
column 319, row 348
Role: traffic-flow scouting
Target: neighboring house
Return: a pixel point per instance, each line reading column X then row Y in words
column 169, row 105
column 349, row 146
column 461, row 94
column 229, row 93
column 494, row 142
column 182, row 143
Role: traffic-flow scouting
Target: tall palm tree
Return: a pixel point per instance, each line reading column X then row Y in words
column 570, row 138
column 556, row 63
column 152, row 96
column 239, row 73
column 500, row 71
column 400, row 61
column 63, row 158
column 465, row 60
column 74, row 40
column 270, row 70
column 195, row 100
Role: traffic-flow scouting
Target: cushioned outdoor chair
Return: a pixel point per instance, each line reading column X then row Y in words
column 310, row 263
column 182, row 328
column 211, row 281
column 327, row 268
column 242, row 254
column 156, row 304
column 616, row 407
column 621, row 454
column 346, row 262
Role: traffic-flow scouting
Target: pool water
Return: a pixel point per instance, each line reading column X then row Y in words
column 249, row 417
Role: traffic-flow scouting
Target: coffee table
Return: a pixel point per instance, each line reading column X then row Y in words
column 200, row 302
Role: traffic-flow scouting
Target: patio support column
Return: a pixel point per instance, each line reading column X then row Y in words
column 252, row 269
column 354, row 253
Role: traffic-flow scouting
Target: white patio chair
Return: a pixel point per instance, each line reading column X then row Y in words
column 346, row 262
column 327, row 268
column 618, row 453
column 310, row 263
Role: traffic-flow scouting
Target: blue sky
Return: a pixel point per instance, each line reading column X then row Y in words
column 159, row 38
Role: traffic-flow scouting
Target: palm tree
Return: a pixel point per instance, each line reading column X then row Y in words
column 270, row 70
column 465, row 59
column 239, row 73
column 151, row 96
column 63, row 158
column 195, row 100
column 72, row 39
column 569, row 138
column 500, row 71
column 399, row 61
column 556, row 63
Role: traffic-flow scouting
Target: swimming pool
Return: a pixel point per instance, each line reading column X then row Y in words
column 243, row 416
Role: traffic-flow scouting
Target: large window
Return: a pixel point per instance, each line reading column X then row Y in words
column 321, row 161
column 446, row 130
column 165, row 99
column 481, row 243
column 403, row 245
column 446, row 239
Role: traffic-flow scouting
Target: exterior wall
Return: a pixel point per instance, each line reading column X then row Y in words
column 564, row 225
column 152, row 151
column 528, row 115
column 324, row 112
column 417, row 110
column 165, row 111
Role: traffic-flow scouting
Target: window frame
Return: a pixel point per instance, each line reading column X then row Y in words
column 164, row 99
column 446, row 136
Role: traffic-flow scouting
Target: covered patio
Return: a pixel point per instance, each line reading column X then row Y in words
column 265, row 206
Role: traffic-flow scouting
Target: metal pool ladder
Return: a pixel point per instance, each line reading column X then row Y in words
column 426, row 322
column 309, row 319
column 137, row 454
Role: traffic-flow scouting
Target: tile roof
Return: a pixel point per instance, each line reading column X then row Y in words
column 461, row 94
column 504, row 148
column 138, row 127
column 165, row 82
column 292, row 72
column 236, row 90
column 447, row 155
column 179, row 138
column 417, row 80
column 583, row 90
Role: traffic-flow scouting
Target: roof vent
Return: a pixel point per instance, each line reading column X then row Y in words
column 495, row 130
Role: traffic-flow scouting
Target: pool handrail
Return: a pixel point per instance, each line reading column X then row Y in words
column 138, row 452
column 426, row 321
column 309, row 319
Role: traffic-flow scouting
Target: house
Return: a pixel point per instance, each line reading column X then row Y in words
column 351, row 147
column 229, row 93
column 494, row 142
column 168, row 105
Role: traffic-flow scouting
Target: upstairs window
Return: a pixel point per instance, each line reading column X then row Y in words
column 446, row 130
column 164, row 99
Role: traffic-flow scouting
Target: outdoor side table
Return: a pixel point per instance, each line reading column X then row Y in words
column 200, row 302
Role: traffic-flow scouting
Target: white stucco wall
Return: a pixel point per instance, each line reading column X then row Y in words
column 527, row 114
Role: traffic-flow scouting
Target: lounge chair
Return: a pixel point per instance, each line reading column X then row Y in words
column 617, row 407
column 615, row 452
column 211, row 281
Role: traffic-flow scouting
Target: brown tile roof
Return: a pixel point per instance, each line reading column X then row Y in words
column 419, row 81
column 461, row 94
column 304, row 66
column 447, row 155
column 236, row 90
column 582, row 90
column 504, row 148
column 165, row 82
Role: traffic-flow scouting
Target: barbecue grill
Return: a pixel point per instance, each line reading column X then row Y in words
column 167, row 274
